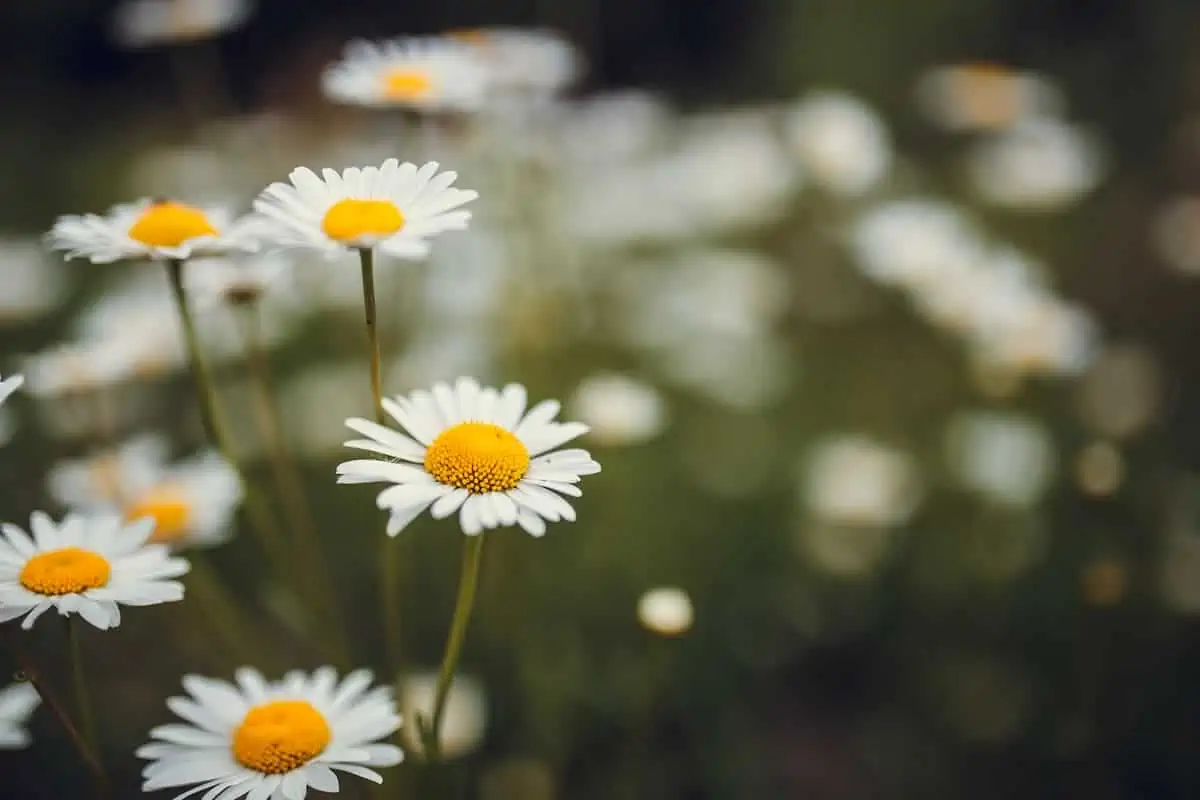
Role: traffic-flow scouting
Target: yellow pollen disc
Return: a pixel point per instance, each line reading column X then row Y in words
column 168, row 506
column 477, row 456
column 167, row 224
column 349, row 220
column 68, row 570
column 406, row 84
column 473, row 36
column 281, row 736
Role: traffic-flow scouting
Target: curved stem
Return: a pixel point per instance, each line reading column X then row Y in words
column 467, row 584
column 367, row 257
column 30, row 673
column 288, row 482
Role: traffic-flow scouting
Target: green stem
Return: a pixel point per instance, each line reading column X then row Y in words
column 289, row 484
column 367, row 256
column 468, row 583
column 83, row 703
column 261, row 519
column 30, row 673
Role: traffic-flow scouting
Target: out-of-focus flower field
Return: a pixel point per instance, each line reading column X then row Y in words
column 879, row 317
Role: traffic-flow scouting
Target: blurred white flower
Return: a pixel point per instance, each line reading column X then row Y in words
column 620, row 410
column 33, row 284
column 1176, row 234
column 427, row 73
column 193, row 502
column 1037, row 165
column 538, row 62
column 466, row 711
column 980, row 97
column 913, row 242
column 854, row 480
column 1009, row 459
column 841, row 142
column 729, row 170
column 666, row 611
column 845, row 551
column 1039, row 335
column 142, row 23
column 609, row 130
column 1122, row 391
column 17, row 704
column 228, row 281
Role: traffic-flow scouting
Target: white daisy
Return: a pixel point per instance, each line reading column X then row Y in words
column 473, row 450
column 142, row 23
column 272, row 740
column 396, row 207
column 215, row 281
column 10, row 385
column 192, row 502
column 17, row 703
column 428, row 73
column 620, row 410
column 150, row 228
column 535, row 61
column 88, row 566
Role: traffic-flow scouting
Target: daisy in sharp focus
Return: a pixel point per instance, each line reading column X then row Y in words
column 17, row 702
column 88, row 566
column 151, row 228
column 473, row 450
column 272, row 740
column 428, row 73
column 395, row 207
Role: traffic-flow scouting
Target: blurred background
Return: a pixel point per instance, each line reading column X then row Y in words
column 881, row 314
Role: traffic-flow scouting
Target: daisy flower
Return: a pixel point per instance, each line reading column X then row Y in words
column 156, row 229
column 537, row 61
column 429, row 74
column 17, row 703
column 396, row 207
column 88, row 566
column 272, row 740
column 10, row 385
column 192, row 502
column 235, row 282
column 475, row 451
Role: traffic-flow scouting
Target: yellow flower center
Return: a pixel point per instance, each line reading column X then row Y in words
column 406, row 84
column 68, row 570
column 281, row 736
column 168, row 506
column 348, row 220
column 168, row 224
column 477, row 456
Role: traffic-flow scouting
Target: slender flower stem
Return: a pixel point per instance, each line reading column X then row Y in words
column 83, row 703
column 289, row 484
column 30, row 673
column 261, row 518
column 468, row 583
column 367, row 256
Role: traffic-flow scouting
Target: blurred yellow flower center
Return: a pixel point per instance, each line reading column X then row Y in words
column 406, row 84
column 67, row 570
column 349, row 220
column 168, row 506
column 477, row 456
column 168, row 224
column 281, row 736
column 473, row 36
